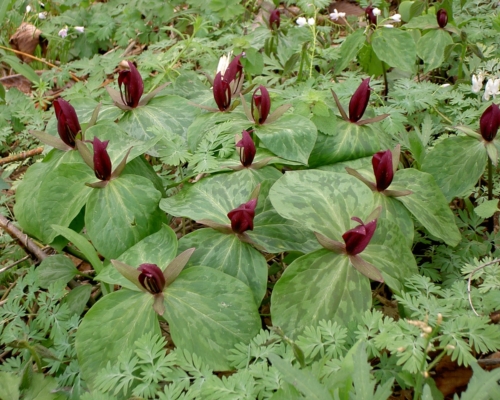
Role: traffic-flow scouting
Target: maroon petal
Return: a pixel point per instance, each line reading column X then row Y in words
column 242, row 217
column 490, row 122
column 442, row 18
column 151, row 278
column 359, row 101
column 102, row 162
column 261, row 105
column 68, row 125
column 383, row 169
column 133, row 86
column 247, row 149
column 234, row 69
column 274, row 19
column 222, row 93
column 357, row 239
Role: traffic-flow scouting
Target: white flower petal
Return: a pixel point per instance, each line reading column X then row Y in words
column 311, row 21
column 63, row 32
column 389, row 26
column 80, row 29
column 28, row 9
column 376, row 11
column 396, row 17
column 42, row 15
column 301, row 21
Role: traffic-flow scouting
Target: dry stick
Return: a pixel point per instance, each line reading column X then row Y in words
column 14, row 264
column 73, row 76
column 21, row 156
column 23, row 239
column 496, row 260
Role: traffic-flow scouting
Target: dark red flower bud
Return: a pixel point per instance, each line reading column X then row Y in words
column 222, row 92
column 274, row 19
column 151, row 278
column 490, row 122
column 261, row 105
column 133, row 86
column 370, row 16
column 247, row 149
column 102, row 162
column 442, row 18
column 242, row 217
column 357, row 239
column 234, row 71
column 359, row 101
column 383, row 169
column 67, row 122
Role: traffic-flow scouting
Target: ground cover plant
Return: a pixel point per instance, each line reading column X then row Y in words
column 249, row 200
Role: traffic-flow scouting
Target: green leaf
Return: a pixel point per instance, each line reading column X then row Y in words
column 57, row 268
column 320, row 285
column 42, row 388
column 111, row 326
column 228, row 254
column 389, row 251
column 349, row 142
column 173, row 112
column 122, row 213
column 487, row 209
column 77, row 299
column 395, row 47
column 291, row 137
column 159, row 248
column 82, row 244
column 431, row 48
column 396, row 212
column 369, row 61
column 483, row 385
column 321, row 201
column 218, row 307
column 304, row 380
column 276, row 234
column 456, row 163
column 60, row 179
column 349, row 49
column 21, row 68
column 427, row 204
column 212, row 198
column 9, row 389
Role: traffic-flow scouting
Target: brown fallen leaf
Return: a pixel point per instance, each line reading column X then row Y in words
column 26, row 38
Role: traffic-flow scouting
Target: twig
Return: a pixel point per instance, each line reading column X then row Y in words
column 26, row 243
column 73, row 76
column 496, row 260
column 21, row 156
column 14, row 264
column 129, row 48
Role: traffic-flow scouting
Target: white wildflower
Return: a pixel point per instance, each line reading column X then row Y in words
column 224, row 63
column 63, row 32
column 389, row 26
column 396, row 17
column 301, row 21
column 477, row 83
column 445, row 85
column 376, row 11
column 492, row 89
column 42, row 15
column 80, row 29
column 28, row 9
column 335, row 15
column 311, row 21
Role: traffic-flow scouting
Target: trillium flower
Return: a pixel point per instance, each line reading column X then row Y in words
column 275, row 20
column 247, row 149
column 442, row 18
column 63, row 32
column 261, row 105
column 356, row 239
column 490, row 122
column 222, row 93
column 149, row 278
column 477, row 83
column 68, row 125
column 223, row 63
column 131, row 88
column 102, row 162
column 242, row 217
column 234, row 74
column 335, row 15
column 370, row 15
column 80, row 29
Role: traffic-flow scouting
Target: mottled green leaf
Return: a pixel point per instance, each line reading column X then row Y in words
column 54, row 269
column 350, row 142
column 122, row 213
column 396, row 212
column 396, row 48
column 456, row 164
column 209, row 312
column 427, row 204
column 77, row 299
column 112, row 325
column 322, row 201
column 487, row 209
column 228, row 254
column 349, row 49
column 431, row 48
column 320, row 285
column 291, row 137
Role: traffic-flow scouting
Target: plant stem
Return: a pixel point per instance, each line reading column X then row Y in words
column 462, row 57
column 313, row 28
column 386, row 84
column 491, row 220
